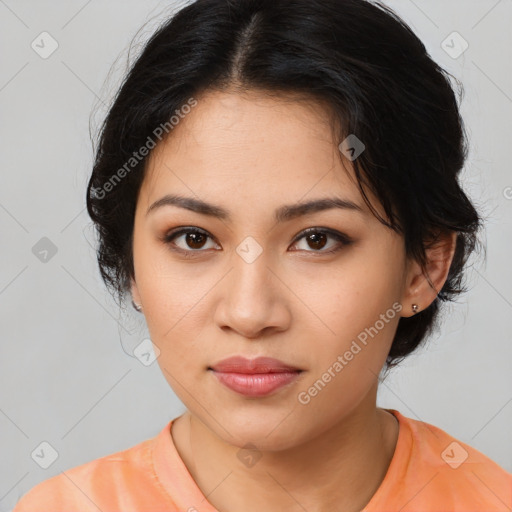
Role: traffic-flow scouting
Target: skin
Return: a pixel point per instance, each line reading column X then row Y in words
column 250, row 154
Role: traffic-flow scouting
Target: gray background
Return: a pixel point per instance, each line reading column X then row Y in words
column 67, row 374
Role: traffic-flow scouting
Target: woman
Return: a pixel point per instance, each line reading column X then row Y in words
column 276, row 187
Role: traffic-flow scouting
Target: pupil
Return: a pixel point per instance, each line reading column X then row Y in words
column 315, row 238
column 192, row 238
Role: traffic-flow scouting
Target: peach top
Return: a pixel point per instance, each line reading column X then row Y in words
column 430, row 471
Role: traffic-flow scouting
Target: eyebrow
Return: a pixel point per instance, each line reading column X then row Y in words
column 282, row 214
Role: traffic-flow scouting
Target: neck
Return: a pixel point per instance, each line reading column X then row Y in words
column 340, row 469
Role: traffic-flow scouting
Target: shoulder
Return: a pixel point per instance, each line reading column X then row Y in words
column 89, row 486
column 432, row 470
column 443, row 450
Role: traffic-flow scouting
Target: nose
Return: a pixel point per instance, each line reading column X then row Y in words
column 252, row 300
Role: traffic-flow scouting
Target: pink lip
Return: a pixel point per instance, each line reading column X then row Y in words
column 255, row 378
column 239, row 364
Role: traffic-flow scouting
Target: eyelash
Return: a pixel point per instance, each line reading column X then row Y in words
column 344, row 240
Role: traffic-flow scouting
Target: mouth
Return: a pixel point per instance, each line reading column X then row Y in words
column 254, row 378
column 256, row 384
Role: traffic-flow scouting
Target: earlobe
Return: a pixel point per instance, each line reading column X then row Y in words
column 423, row 285
column 136, row 302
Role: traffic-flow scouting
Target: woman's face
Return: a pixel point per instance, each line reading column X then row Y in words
column 256, row 285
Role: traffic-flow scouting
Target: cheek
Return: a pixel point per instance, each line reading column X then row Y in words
column 347, row 367
column 175, row 324
column 348, row 298
column 172, row 293
column 356, row 310
column 174, row 311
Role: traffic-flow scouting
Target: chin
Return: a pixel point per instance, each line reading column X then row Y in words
column 268, row 431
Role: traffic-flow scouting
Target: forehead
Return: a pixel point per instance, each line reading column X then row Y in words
column 263, row 149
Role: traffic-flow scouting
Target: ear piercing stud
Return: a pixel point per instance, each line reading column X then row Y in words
column 138, row 307
column 414, row 308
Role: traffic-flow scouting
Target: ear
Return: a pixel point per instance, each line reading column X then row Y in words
column 423, row 286
column 135, row 292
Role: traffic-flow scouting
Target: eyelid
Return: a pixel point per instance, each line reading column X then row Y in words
column 183, row 230
column 327, row 231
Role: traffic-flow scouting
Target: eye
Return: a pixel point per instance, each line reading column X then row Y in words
column 318, row 238
column 188, row 240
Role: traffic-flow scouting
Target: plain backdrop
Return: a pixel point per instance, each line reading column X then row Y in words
column 69, row 376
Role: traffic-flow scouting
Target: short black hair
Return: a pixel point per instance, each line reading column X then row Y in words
column 356, row 56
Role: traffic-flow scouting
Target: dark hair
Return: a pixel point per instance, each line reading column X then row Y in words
column 359, row 58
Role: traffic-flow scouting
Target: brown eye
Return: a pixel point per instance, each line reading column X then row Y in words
column 188, row 240
column 318, row 238
column 195, row 240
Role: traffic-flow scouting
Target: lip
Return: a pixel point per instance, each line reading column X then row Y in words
column 239, row 364
column 254, row 377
